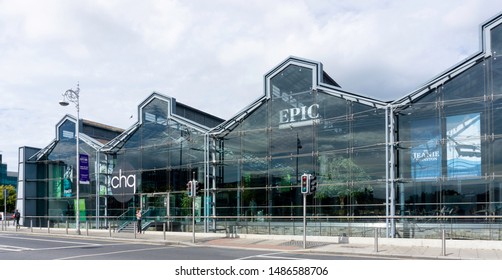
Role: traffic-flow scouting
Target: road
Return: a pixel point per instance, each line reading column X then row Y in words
column 16, row 246
column 58, row 257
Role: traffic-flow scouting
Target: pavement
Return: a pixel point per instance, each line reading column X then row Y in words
column 399, row 248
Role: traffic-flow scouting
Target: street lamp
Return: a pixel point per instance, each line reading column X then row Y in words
column 73, row 97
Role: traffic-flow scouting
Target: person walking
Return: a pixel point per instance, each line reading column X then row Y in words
column 17, row 216
column 138, row 220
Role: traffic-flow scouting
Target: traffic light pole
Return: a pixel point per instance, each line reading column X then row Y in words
column 4, row 216
column 194, row 195
column 304, row 221
column 308, row 185
column 193, row 219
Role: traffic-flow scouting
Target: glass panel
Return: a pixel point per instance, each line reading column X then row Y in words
column 466, row 88
column 495, row 116
column 67, row 131
column 291, row 83
column 419, row 147
column 496, row 40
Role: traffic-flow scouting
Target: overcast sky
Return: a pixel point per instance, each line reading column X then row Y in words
column 212, row 55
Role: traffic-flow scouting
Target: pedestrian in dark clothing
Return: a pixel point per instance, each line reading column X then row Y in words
column 138, row 219
column 17, row 216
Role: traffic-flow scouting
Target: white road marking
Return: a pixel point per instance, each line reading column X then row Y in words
column 110, row 253
column 271, row 256
column 73, row 244
column 13, row 248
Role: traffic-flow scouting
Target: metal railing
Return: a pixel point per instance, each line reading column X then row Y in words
column 419, row 227
column 343, row 228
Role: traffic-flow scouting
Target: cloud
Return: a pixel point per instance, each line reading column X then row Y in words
column 211, row 55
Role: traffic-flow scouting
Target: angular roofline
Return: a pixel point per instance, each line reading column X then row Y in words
column 171, row 114
column 331, row 88
column 86, row 122
column 102, row 126
column 94, row 143
column 289, row 61
column 198, row 111
column 171, row 111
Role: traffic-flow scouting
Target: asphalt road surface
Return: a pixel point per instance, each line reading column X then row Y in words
column 14, row 246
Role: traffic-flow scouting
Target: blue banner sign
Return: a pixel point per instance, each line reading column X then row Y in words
column 426, row 150
column 84, row 168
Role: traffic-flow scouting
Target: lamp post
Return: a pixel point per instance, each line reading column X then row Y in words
column 73, row 97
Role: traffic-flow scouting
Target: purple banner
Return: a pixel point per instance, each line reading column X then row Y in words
column 84, row 168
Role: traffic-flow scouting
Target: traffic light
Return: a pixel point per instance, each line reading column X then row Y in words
column 305, row 184
column 196, row 187
column 190, row 188
column 313, row 183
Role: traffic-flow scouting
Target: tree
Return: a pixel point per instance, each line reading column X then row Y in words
column 11, row 197
column 342, row 178
column 186, row 204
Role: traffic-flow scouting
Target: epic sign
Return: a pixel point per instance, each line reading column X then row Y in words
column 299, row 116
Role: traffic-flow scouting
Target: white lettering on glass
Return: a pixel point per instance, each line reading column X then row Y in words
column 299, row 114
column 122, row 181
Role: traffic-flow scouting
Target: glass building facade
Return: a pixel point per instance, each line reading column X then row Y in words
column 149, row 165
column 47, row 177
column 411, row 166
column 448, row 142
column 304, row 125
column 7, row 178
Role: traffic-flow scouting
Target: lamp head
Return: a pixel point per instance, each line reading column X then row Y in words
column 64, row 102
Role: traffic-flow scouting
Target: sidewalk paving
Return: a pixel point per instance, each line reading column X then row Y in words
column 383, row 247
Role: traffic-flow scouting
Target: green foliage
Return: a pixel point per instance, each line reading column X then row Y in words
column 341, row 177
column 11, row 198
column 186, row 205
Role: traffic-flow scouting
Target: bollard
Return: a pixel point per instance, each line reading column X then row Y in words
column 48, row 226
column 31, row 225
column 443, row 243
column 164, row 230
column 375, row 245
column 67, row 225
column 86, row 228
column 110, row 229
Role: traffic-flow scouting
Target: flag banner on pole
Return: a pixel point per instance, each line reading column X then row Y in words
column 84, row 168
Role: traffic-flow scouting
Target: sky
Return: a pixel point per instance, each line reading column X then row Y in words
column 212, row 55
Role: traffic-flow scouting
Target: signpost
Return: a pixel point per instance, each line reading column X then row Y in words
column 193, row 212
column 192, row 188
column 4, row 216
column 308, row 185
